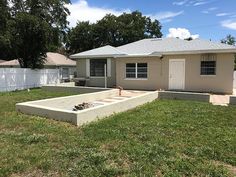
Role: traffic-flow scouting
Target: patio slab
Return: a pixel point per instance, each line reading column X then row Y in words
column 222, row 100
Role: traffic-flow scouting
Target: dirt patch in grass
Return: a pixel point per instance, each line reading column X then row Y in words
column 36, row 173
column 230, row 168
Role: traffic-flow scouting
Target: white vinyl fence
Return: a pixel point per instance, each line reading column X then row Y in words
column 21, row 78
column 234, row 79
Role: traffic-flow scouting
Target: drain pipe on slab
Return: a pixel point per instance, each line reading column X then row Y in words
column 105, row 75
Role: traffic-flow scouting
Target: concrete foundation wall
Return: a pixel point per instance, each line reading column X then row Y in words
column 184, row 96
column 56, row 114
column 232, row 100
column 56, row 108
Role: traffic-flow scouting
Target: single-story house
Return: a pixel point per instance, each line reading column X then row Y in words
column 161, row 64
column 66, row 66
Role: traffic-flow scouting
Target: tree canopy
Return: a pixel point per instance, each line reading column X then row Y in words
column 231, row 40
column 112, row 30
column 31, row 28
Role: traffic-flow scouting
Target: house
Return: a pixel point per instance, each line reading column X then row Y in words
column 66, row 66
column 161, row 63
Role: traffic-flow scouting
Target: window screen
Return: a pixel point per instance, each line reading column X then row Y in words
column 97, row 67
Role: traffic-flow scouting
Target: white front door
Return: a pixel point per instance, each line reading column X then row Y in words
column 176, row 74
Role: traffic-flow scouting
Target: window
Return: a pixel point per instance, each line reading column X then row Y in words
column 65, row 73
column 131, row 70
column 142, row 70
column 208, row 65
column 97, row 67
column 136, row 70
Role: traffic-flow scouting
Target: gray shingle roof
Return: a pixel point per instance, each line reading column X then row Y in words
column 158, row 46
column 172, row 45
column 106, row 51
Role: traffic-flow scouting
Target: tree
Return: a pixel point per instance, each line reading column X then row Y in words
column 53, row 12
column 80, row 38
column 112, row 30
column 31, row 36
column 4, row 36
column 30, row 28
column 105, row 31
column 230, row 40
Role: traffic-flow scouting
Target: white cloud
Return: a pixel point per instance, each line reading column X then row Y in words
column 223, row 14
column 82, row 11
column 180, row 3
column 191, row 2
column 209, row 10
column 200, row 3
column 181, row 33
column 166, row 15
column 230, row 24
column 167, row 20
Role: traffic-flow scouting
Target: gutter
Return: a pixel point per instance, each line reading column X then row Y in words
column 95, row 56
column 139, row 55
column 199, row 52
column 154, row 54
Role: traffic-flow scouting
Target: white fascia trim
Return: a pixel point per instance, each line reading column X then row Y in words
column 95, row 56
column 139, row 55
column 200, row 51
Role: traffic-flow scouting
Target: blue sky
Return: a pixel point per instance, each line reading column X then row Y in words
column 208, row 19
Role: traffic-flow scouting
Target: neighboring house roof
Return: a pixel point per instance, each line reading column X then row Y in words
column 56, row 59
column 53, row 59
column 161, row 46
column 10, row 63
column 1, row 61
column 106, row 51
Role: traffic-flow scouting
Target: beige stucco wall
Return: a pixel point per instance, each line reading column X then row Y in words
column 158, row 72
column 97, row 81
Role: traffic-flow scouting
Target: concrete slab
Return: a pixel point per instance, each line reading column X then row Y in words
column 105, row 103
column 222, row 100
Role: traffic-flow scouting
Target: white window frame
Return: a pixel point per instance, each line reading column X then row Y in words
column 208, row 57
column 136, row 71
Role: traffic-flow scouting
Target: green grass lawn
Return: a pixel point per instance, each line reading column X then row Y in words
column 162, row 138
